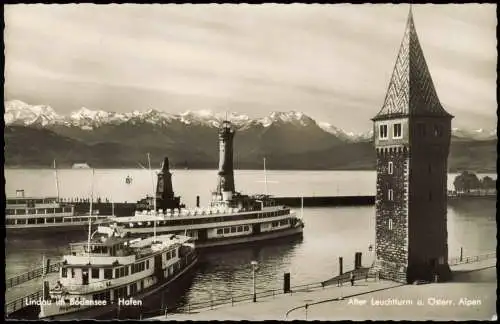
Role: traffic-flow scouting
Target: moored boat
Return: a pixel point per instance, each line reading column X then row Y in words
column 111, row 270
column 36, row 214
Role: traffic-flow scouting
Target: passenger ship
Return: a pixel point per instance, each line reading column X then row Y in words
column 242, row 220
column 117, row 270
column 29, row 214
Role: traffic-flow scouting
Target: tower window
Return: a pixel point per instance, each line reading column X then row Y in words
column 438, row 131
column 382, row 132
column 397, row 131
column 390, row 168
column 390, row 194
column 390, row 224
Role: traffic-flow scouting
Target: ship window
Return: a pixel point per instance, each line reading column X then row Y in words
column 58, row 219
column 31, row 221
column 382, row 131
column 40, row 220
column 20, row 212
column 95, row 273
column 397, row 131
column 117, row 273
column 72, row 273
column 390, row 168
column 233, row 229
column 173, row 254
column 10, row 221
column 390, row 224
column 147, row 264
column 125, row 271
column 67, row 220
column 10, row 212
column 219, row 231
column 67, row 209
column 32, row 211
column 108, row 273
column 240, row 228
column 168, row 255
column 390, row 194
column 50, row 220
column 133, row 288
column 64, row 272
column 246, row 228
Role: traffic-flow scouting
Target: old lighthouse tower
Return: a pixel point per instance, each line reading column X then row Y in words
column 412, row 138
column 225, row 183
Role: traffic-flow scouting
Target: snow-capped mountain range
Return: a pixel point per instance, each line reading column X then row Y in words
column 20, row 113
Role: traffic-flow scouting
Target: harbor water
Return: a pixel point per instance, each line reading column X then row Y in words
column 330, row 232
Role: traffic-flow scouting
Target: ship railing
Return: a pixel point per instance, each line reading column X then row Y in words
column 188, row 212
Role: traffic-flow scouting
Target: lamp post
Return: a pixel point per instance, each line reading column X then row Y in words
column 254, row 268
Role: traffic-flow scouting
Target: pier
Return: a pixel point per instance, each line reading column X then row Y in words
column 471, row 285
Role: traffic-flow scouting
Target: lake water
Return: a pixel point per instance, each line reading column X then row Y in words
column 329, row 233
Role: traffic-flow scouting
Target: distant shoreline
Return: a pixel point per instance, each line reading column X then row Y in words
column 478, row 171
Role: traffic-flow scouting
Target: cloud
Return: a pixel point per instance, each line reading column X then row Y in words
column 331, row 61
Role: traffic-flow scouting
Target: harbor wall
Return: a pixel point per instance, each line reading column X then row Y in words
column 128, row 209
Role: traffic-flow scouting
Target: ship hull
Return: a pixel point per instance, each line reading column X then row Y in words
column 237, row 240
column 96, row 312
column 31, row 229
column 249, row 239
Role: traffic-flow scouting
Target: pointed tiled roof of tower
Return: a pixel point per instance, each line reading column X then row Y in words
column 411, row 91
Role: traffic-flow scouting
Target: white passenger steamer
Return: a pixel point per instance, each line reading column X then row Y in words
column 112, row 270
column 42, row 214
column 244, row 219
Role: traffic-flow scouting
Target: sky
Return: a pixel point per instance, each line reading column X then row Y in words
column 332, row 62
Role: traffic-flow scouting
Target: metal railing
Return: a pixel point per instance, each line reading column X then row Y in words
column 471, row 259
column 231, row 300
column 30, row 275
column 20, row 303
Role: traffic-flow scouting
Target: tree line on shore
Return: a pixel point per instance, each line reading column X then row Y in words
column 468, row 182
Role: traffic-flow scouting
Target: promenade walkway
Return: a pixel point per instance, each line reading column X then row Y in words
column 14, row 294
column 471, row 295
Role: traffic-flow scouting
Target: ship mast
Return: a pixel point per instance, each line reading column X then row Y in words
column 154, row 198
column 57, row 180
column 302, row 207
column 90, row 215
column 265, row 178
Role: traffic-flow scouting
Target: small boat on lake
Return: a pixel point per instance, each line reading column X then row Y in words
column 111, row 271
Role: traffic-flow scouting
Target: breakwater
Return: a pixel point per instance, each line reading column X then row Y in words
column 128, row 209
column 318, row 201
